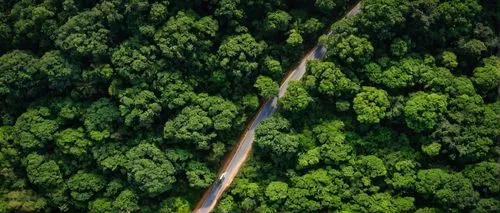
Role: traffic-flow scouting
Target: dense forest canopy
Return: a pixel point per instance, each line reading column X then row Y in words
column 121, row 106
column 402, row 115
column 131, row 105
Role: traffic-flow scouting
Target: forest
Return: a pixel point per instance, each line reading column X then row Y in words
column 402, row 115
column 132, row 105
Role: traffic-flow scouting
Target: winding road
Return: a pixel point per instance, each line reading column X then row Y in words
column 240, row 153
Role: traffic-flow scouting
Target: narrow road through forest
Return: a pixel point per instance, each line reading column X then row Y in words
column 240, row 153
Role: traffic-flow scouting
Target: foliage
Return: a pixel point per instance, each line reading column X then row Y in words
column 131, row 106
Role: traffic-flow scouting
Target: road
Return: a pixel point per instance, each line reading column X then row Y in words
column 240, row 154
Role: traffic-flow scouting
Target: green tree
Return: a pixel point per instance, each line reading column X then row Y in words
column 266, row 86
column 296, row 97
column 484, row 176
column 185, row 36
column 127, row 201
column 449, row 60
column 277, row 21
column 330, row 80
column 175, row 204
column 326, row 6
column 148, row 167
column 294, row 38
column 381, row 19
column 84, row 185
column 139, row 108
column 84, row 35
column 73, row 142
column 19, row 76
column 101, row 119
column 348, row 49
column 174, row 91
column 100, row 205
column 43, row 172
column 238, row 56
column 423, row 110
column 199, row 175
column 34, row 128
column 371, row 104
column 272, row 137
column 277, row 191
column 136, row 62
column 59, row 71
column 487, row 77
column 25, row 201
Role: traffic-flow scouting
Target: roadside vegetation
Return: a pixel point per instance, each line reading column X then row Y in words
column 402, row 115
column 125, row 106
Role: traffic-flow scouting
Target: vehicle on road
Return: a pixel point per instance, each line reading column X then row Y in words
column 222, row 177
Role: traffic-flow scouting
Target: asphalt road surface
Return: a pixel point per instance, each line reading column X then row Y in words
column 209, row 199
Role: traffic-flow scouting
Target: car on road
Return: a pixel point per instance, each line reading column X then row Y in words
column 222, row 177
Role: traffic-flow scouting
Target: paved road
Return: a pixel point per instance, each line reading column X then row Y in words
column 209, row 199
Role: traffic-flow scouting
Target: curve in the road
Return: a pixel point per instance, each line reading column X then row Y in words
column 240, row 153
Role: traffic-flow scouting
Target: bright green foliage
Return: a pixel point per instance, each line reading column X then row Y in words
column 191, row 125
column 34, row 129
column 148, row 167
column 100, row 205
column 229, row 9
column 423, row 110
column 73, row 142
column 455, row 18
column 277, row 21
column 294, row 38
column 175, row 204
column 381, row 202
column 296, row 98
column 449, row 60
column 272, row 137
column 371, row 104
column 449, row 189
column 238, row 56
column 126, row 201
column 184, row 35
column 199, row 176
column 273, row 66
column 24, row 201
column 132, row 106
column 84, row 185
column 484, row 176
column 400, row 47
column 84, row 35
column 266, row 86
column 315, row 189
column 487, row 77
column 432, row 149
column 100, row 118
column 135, row 62
column 139, row 108
column 329, row 79
column 413, row 72
column 277, row 191
column 487, row 205
column 334, row 147
column 349, row 50
column 42, row 171
column 382, row 18
column 174, row 91
column 196, row 124
column 19, row 76
column 371, row 166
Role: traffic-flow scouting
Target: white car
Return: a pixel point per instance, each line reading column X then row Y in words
column 221, row 178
